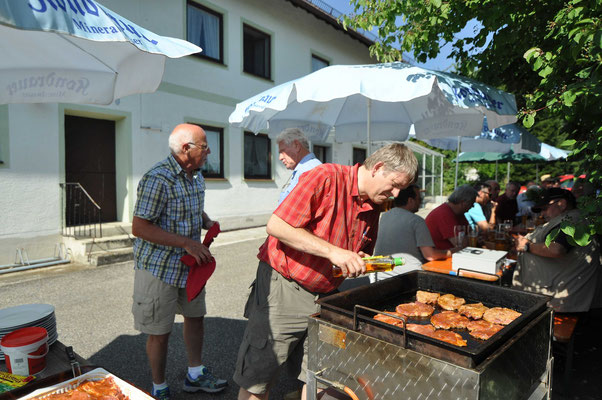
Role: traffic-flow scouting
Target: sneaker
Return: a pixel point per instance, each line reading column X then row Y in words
column 161, row 394
column 205, row 382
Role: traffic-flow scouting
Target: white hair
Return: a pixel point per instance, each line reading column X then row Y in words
column 289, row 135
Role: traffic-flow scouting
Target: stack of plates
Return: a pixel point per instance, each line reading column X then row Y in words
column 27, row 315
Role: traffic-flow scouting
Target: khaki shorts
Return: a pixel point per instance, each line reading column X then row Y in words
column 156, row 304
column 278, row 311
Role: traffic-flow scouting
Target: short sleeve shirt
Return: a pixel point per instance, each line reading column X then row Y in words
column 441, row 222
column 475, row 214
column 326, row 202
column 172, row 201
column 308, row 162
column 402, row 233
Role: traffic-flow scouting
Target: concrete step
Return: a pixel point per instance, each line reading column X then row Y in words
column 116, row 228
column 106, row 243
column 112, row 256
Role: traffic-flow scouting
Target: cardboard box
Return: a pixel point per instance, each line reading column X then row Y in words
column 481, row 260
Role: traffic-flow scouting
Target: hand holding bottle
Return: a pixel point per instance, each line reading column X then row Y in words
column 373, row 264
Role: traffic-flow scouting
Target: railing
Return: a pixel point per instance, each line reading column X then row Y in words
column 336, row 14
column 82, row 216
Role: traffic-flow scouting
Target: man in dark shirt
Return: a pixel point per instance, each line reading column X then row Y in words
column 507, row 207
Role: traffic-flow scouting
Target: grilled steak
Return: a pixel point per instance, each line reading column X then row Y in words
column 499, row 315
column 450, row 302
column 474, row 311
column 427, row 297
column 449, row 320
column 415, row 309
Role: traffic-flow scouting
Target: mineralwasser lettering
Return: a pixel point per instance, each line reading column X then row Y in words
column 75, row 6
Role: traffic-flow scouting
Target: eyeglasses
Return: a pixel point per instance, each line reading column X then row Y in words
column 484, row 192
column 200, row 146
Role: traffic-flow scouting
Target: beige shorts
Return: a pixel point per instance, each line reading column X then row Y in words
column 278, row 311
column 156, row 304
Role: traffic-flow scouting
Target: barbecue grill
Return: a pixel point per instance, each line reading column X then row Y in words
column 347, row 347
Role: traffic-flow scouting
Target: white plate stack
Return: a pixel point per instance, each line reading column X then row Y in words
column 27, row 315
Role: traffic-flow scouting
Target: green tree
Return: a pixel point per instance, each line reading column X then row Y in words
column 549, row 54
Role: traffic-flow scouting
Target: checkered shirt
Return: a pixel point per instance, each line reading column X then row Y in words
column 326, row 202
column 172, row 201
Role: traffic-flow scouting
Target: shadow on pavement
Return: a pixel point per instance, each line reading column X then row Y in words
column 126, row 358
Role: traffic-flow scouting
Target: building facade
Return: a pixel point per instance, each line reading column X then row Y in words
column 250, row 46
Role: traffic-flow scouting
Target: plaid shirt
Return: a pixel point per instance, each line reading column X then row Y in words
column 326, row 202
column 168, row 199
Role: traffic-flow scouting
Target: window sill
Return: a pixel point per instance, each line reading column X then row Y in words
column 210, row 60
column 263, row 78
column 258, row 180
column 216, row 179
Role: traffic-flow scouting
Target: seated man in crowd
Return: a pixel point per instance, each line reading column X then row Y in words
column 564, row 270
column 404, row 234
column 507, row 207
column 475, row 215
column 441, row 220
column 523, row 202
column 489, row 208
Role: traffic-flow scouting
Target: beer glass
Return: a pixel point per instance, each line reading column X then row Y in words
column 460, row 234
column 473, row 235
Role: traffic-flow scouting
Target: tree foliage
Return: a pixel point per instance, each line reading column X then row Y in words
column 549, row 54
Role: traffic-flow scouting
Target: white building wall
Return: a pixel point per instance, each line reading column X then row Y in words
column 194, row 90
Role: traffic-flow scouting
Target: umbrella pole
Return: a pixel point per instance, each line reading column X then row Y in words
column 457, row 155
column 508, row 173
column 368, row 127
column 496, row 170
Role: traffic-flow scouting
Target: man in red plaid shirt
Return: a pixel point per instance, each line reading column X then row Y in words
column 330, row 218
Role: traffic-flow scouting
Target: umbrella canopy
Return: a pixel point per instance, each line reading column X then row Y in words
column 78, row 52
column 377, row 102
column 491, row 157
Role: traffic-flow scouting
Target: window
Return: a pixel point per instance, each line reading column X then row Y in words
column 322, row 153
column 318, row 63
column 258, row 156
column 359, row 155
column 214, row 166
column 205, row 29
column 256, row 52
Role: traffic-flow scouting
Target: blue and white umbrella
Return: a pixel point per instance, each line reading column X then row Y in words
column 377, row 102
column 78, row 51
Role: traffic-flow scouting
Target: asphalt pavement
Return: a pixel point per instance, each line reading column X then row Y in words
column 93, row 315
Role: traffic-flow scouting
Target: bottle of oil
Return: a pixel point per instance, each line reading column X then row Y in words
column 374, row 264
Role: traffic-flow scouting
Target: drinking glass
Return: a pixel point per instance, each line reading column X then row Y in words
column 460, row 234
column 473, row 235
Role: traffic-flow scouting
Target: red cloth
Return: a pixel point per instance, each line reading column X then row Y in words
column 441, row 222
column 198, row 275
column 326, row 202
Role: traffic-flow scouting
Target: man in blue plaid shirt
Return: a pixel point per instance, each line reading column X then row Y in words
column 167, row 223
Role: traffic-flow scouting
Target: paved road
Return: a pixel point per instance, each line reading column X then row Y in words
column 93, row 314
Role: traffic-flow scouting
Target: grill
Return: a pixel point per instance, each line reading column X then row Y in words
column 381, row 361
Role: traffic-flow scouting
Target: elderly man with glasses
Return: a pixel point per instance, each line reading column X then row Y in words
column 564, row 270
column 168, row 219
column 475, row 215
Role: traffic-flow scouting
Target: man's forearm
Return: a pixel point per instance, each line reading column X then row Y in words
column 152, row 233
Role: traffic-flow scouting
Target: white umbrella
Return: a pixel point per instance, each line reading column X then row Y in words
column 377, row 102
column 78, row 52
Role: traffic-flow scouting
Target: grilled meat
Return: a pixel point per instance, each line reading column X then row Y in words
column 426, row 330
column 427, row 297
column 449, row 337
column 450, row 302
column 474, row 311
column 449, row 320
column 415, row 309
column 390, row 320
column 499, row 315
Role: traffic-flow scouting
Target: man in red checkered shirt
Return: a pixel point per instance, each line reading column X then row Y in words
column 330, row 218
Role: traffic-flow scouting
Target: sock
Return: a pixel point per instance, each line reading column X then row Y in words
column 194, row 372
column 159, row 386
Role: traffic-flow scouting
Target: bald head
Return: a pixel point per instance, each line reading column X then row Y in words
column 183, row 134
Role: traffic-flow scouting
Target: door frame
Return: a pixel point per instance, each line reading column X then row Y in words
column 124, row 187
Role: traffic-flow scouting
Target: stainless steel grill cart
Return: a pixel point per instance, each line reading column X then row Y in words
column 348, row 348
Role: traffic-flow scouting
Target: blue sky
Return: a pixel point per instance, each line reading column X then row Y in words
column 440, row 63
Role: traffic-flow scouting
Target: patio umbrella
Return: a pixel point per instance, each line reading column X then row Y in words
column 78, row 52
column 377, row 102
column 491, row 157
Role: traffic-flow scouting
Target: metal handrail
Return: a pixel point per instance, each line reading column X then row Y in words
column 82, row 216
column 336, row 14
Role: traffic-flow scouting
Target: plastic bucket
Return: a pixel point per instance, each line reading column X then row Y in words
column 25, row 350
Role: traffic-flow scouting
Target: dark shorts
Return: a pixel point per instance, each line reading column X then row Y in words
column 278, row 311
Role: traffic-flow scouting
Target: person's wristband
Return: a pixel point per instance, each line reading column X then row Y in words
column 526, row 248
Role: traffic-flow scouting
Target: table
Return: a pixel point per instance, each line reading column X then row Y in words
column 58, row 369
column 445, row 267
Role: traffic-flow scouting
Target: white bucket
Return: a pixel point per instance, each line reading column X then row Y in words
column 24, row 356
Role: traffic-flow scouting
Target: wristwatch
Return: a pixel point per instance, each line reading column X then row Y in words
column 526, row 248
